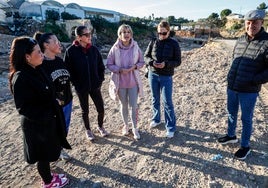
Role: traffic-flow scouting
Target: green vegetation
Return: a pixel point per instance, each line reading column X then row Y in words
column 237, row 26
column 51, row 27
column 107, row 31
column 67, row 16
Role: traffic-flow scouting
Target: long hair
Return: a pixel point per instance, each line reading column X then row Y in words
column 79, row 30
column 19, row 48
column 42, row 38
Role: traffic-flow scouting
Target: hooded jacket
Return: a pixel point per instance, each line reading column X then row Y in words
column 85, row 66
column 114, row 63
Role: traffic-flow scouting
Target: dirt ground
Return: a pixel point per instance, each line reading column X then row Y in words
column 187, row 160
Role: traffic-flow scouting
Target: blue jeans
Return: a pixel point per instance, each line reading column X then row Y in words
column 162, row 85
column 247, row 103
column 67, row 110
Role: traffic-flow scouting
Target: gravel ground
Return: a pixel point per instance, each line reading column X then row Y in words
column 192, row 158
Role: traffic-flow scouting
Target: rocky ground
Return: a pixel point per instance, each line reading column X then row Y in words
column 192, row 158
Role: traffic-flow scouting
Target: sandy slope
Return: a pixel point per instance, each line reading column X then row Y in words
column 154, row 161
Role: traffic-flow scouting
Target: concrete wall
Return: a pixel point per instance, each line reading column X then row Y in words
column 70, row 25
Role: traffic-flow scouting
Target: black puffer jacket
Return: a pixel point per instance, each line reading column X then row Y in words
column 249, row 68
column 167, row 50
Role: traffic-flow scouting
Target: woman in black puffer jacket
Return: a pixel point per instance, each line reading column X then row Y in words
column 162, row 56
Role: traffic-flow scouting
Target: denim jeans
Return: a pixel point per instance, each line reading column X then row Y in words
column 67, row 110
column 247, row 103
column 162, row 85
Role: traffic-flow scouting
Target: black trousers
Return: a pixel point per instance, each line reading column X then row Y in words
column 43, row 168
column 98, row 102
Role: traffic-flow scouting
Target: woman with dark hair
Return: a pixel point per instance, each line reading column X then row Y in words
column 162, row 55
column 55, row 67
column 85, row 64
column 42, row 120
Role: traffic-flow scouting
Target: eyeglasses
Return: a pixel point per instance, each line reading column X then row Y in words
column 163, row 33
column 86, row 34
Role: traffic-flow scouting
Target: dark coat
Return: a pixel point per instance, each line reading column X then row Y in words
column 85, row 66
column 249, row 68
column 42, row 119
column 167, row 50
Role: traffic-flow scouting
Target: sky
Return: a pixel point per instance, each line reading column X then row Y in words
column 188, row 9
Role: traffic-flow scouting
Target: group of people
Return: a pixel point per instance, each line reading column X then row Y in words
column 40, row 82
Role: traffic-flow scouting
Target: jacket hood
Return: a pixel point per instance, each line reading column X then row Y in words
column 84, row 49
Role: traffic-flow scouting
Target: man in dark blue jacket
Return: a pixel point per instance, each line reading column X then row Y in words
column 249, row 70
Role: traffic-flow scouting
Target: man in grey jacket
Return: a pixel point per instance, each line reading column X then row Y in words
column 249, row 70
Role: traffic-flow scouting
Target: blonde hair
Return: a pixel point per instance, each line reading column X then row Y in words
column 124, row 27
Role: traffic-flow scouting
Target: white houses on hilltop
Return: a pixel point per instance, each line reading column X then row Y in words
column 37, row 10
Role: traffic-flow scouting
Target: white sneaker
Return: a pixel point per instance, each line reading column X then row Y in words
column 125, row 130
column 170, row 134
column 154, row 124
column 103, row 132
column 90, row 135
column 136, row 134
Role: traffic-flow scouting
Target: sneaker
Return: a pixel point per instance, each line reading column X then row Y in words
column 64, row 155
column 242, row 153
column 125, row 130
column 56, row 182
column 103, row 132
column 154, row 124
column 136, row 134
column 228, row 140
column 170, row 134
column 90, row 135
column 59, row 175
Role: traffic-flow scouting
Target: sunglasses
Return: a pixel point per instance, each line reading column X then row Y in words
column 163, row 33
column 86, row 34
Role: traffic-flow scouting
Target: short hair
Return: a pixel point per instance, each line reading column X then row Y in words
column 165, row 24
column 123, row 27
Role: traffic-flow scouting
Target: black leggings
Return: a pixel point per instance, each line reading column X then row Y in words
column 43, row 168
column 97, row 100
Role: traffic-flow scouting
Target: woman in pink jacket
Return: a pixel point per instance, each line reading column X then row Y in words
column 124, row 61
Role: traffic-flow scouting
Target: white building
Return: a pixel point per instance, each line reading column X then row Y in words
column 37, row 9
column 109, row 15
column 73, row 8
